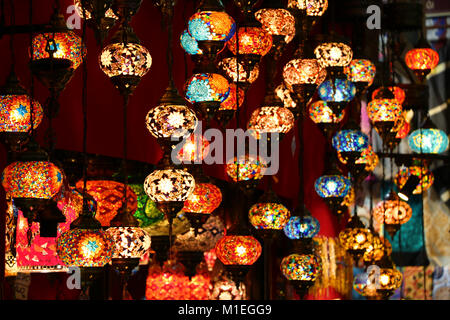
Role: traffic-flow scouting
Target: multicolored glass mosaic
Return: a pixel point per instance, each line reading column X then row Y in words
column 377, row 249
column 15, row 112
column 238, row 250
column 109, row 196
column 271, row 120
column 425, row 175
column 79, row 8
column 205, row 199
column 146, row 212
column 129, row 242
column 204, row 240
column 247, row 168
column 278, row 22
column 125, row 59
column 303, row 267
column 301, row 227
column 230, row 102
column 402, row 127
column 422, row 59
column 167, row 121
column 320, row 112
column 252, row 40
column 68, row 46
column 394, row 211
column 167, row 283
column 169, row 185
column 390, row 279
column 356, row 239
column 207, row 87
column 398, row 92
column 85, row 248
column 368, row 157
column 315, row 8
column 333, row 54
column 303, row 71
column 332, row 186
column 32, row 179
column 211, row 25
column 285, row 95
column 269, row 216
column 189, row 44
column 230, row 67
column 350, row 140
column 338, row 91
column 428, row 141
column 380, row 110
column 361, row 70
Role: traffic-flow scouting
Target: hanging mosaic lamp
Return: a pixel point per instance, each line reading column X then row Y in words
column 169, row 188
column 189, row 44
column 207, row 91
column 377, row 249
column 15, row 111
column 302, row 225
column 167, row 283
column 428, row 139
column 271, row 119
column 392, row 212
column 194, row 150
column 422, row 59
column 56, row 53
column 350, row 142
column 247, row 171
column 307, row 13
column 236, row 72
column 421, row 175
column 361, row 72
column 333, row 187
column 211, row 27
column 98, row 15
column 399, row 93
column 356, row 238
column 334, row 56
column 125, row 61
column 322, row 115
column 364, row 165
column 337, row 93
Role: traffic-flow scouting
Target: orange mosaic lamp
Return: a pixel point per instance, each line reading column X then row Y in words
column 422, row 59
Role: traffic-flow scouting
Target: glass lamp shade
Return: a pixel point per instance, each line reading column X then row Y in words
column 303, row 267
column 368, row 157
column 200, row 287
column 69, row 46
column 384, row 110
column 271, row 120
column 332, row 186
column 424, row 174
column 269, row 216
column 166, row 121
column 129, row 242
column 125, row 59
column 339, row 90
column 32, row 179
column 146, row 212
column 402, row 127
column 428, row 141
column 205, row 199
column 169, row 185
column 15, row 112
column 392, row 211
column 204, row 240
column 85, row 248
column 320, row 112
column 398, row 92
column 422, row 59
column 301, row 227
column 194, row 150
column 314, row 8
column 211, row 26
column 303, row 71
column 202, row 87
column 377, row 249
column 350, row 140
column 278, row 22
column 361, row 70
column 390, row 279
column 109, row 197
column 252, row 41
column 284, row 94
column 356, row 239
column 238, row 250
column 238, row 73
column 189, row 44
column 247, row 168
column 167, row 283
column 226, row 289
column 333, row 54
column 231, row 102
column 79, row 8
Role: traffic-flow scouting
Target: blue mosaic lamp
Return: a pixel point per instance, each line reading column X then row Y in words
column 350, row 142
column 428, row 139
column 337, row 93
column 302, row 225
column 189, row 44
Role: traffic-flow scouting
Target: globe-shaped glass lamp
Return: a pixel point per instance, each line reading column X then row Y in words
column 169, row 185
column 314, row 8
column 205, row 198
column 426, row 178
column 332, row 186
column 299, row 227
column 265, row 216
column 339, row 90
column 129, row 242
column 277, row 22
column 428, row 141
column 207, row 87
column 333, row 54
column 303, row 71
column 399, row 93
column 302, row 267
column 237, row 73
column 271, row 119
column 189, row 44
column 238, row 250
